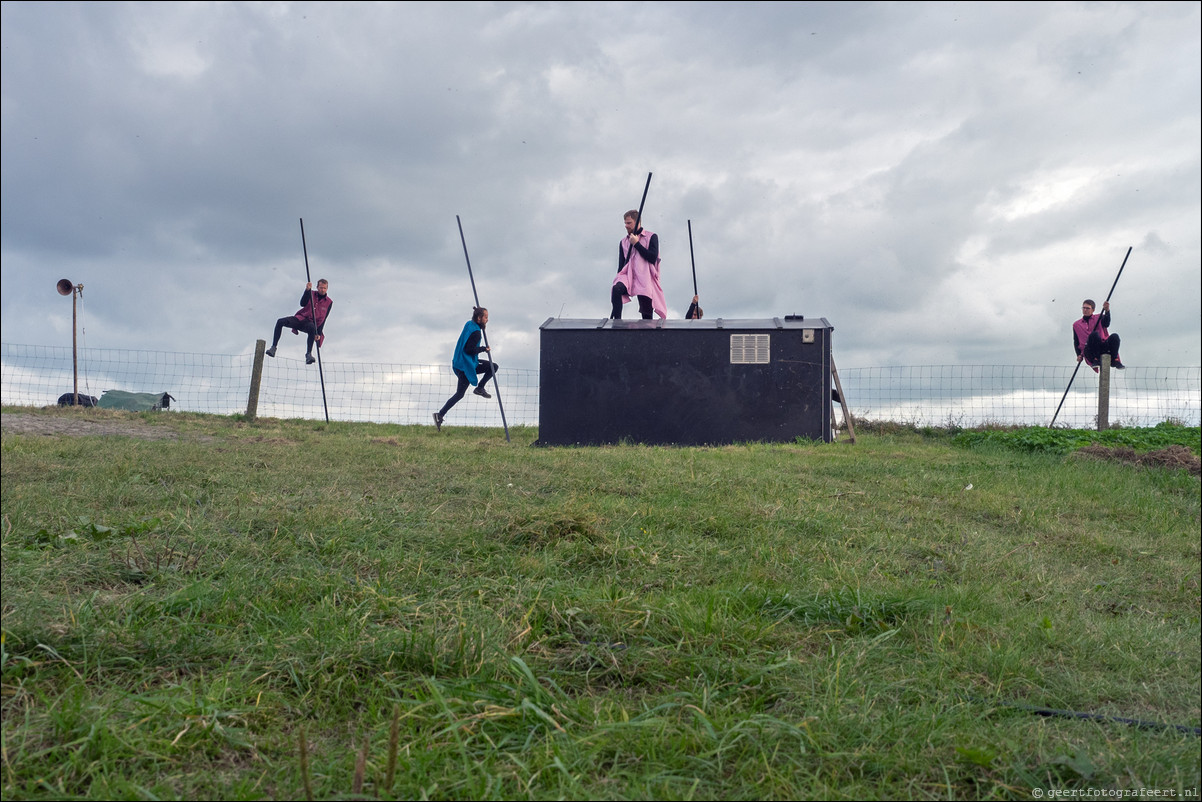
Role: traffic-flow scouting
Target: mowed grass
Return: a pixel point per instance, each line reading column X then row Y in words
column 293, row 609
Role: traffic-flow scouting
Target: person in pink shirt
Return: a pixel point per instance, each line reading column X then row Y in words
column 638, row 272
column 318, row 304
column 1091, row 339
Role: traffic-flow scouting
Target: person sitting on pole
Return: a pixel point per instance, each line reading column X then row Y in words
column 1091, row 339
column 313, row 306
column 466, row 363
column 638, row 271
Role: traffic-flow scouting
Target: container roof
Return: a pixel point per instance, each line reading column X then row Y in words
column 792, row 322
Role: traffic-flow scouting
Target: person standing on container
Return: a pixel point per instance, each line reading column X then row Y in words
column 1091, row 339
column 638, row 272
column 466, row 363
column 319, row 305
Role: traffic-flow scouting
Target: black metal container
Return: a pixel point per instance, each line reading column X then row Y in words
column 684, row 382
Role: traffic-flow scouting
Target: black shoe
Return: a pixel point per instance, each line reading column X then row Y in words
column 309, row 359
column 1118, row 365
column 480, row 391
column 438, row 422
column 270, row 352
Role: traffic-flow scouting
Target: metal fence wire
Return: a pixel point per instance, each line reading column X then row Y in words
column 928, row 395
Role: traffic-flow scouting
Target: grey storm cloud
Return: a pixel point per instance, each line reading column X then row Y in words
column 943, row 182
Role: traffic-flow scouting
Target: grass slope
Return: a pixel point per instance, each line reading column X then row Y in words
column 294, row 609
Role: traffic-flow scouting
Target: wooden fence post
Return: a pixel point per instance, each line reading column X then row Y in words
column 1104, row 394
column 256, row 376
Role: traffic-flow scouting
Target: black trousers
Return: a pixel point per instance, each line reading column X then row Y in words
column 292, row 323
column 615, row 300
column 1095, row 346
column 487, row 369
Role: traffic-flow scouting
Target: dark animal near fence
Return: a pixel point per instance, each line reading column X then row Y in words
column 68, row 400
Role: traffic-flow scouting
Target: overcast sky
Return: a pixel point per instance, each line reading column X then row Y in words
column 943, row 182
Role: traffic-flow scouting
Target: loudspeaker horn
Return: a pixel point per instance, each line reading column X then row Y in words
column 64, row 286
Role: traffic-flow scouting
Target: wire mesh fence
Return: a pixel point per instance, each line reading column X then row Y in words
column 932, row 395
column 977, row 395
column 35, row 375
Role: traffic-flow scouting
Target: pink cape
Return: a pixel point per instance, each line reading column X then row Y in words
column 641, row 277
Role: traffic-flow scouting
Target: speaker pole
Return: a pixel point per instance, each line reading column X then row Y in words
column 65, row 287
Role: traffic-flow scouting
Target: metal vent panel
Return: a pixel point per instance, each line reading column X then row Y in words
column 750, row 349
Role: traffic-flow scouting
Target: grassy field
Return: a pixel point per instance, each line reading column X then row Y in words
column 199, row 607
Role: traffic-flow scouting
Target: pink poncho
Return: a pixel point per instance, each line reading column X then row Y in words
column 641, row 277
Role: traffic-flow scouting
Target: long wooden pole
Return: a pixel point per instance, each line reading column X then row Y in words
column 496, row 386
column 313, row 315
column 1070, row 381
column 638, row 221
column 691, row 260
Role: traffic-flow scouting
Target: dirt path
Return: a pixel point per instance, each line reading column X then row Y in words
column 77, row 425
column 1170, row 457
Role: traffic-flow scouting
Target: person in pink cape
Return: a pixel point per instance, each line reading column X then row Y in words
column 638, row 272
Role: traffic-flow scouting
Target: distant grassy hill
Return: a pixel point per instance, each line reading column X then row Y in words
column 199, row 607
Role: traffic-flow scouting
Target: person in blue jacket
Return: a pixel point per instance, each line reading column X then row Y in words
column 466, row 362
